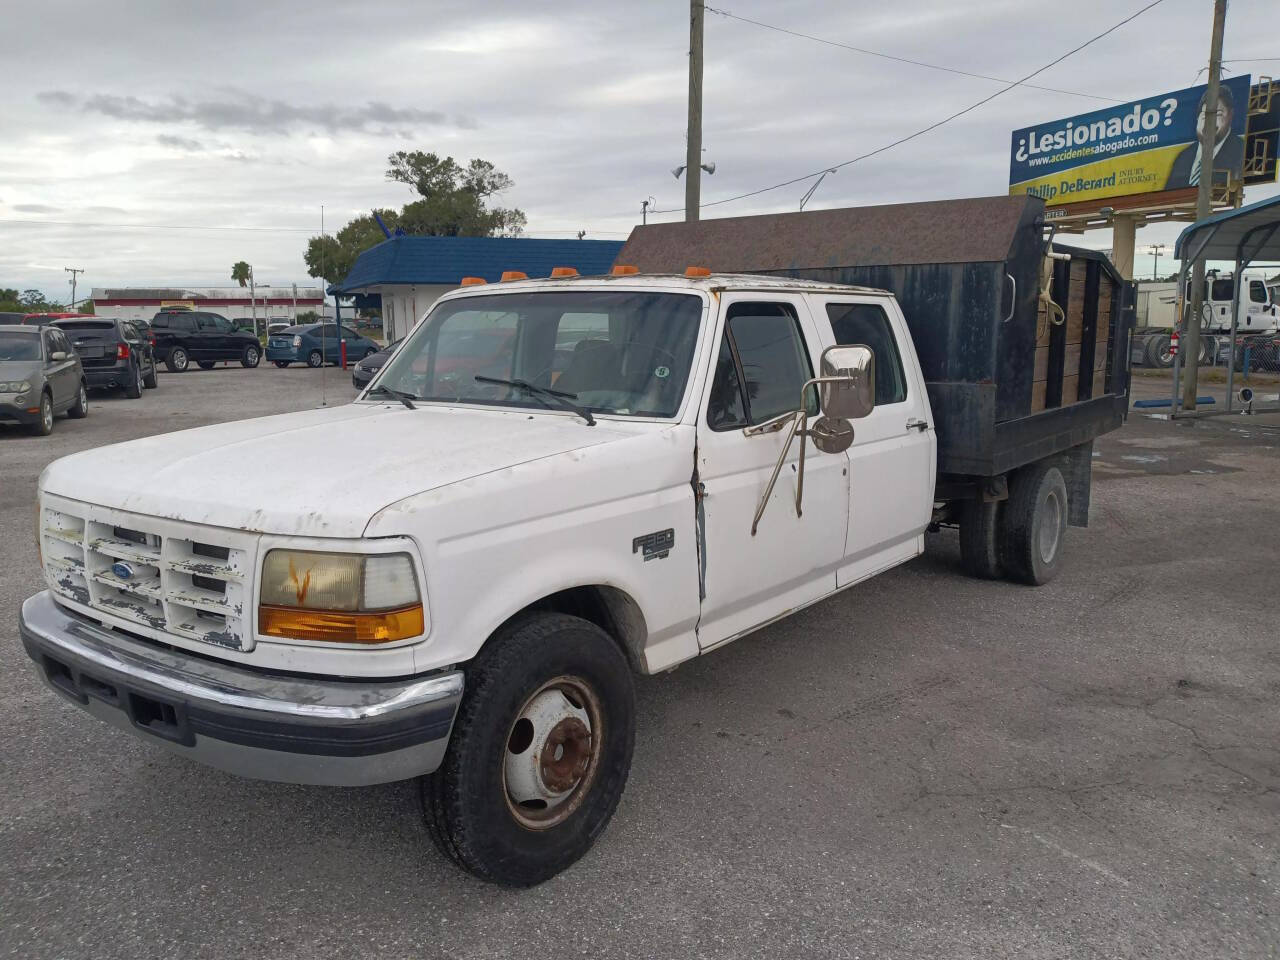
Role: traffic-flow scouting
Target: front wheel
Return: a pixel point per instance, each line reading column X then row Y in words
column 281, row 363
column 315, row 359
column 44, row 425
column 81, row 408
column 178, row 360
column 539, row 753
column 1034, row 524
column 206, row 364
column 250, row 357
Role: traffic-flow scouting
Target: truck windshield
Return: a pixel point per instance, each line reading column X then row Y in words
column 612, row 352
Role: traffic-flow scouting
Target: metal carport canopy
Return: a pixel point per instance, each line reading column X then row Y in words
column 1250, row 233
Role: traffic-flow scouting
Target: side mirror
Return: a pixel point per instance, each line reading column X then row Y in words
column 847, row 386
column 57, row 356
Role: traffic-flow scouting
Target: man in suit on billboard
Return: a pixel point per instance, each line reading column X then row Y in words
column 1228, row 150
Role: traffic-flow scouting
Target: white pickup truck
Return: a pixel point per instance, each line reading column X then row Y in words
column 561, row 483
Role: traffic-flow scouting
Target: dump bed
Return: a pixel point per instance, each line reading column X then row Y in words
column 1010, row 380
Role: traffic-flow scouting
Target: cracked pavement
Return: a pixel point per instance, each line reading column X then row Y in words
column 924, row 766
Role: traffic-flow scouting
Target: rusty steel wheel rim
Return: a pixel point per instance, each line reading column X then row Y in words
column 552, row 753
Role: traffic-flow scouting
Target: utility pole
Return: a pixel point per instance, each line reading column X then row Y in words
column 73, row 271
column 1155, row 267
column 253, row 302
column 693, row 154
column 644, row 210
column 1208, row 135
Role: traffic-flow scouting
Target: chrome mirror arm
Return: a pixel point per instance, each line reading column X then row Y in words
column 797, row 419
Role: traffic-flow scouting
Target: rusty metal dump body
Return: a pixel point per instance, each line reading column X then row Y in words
column 1007, row 385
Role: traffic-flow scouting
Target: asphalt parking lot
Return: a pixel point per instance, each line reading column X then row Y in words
column 926, row 766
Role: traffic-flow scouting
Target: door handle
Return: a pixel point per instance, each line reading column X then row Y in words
column 914, row 424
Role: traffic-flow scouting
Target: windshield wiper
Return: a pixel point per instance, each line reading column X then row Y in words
column 405, row 398
column 559, row 396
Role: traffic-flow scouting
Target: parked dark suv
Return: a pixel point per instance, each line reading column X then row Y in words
column 114, row 353
column 183, row 336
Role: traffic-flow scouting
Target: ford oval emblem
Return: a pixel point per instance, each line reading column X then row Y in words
column 122, row 570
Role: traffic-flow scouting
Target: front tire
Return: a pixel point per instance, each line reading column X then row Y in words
column 250, row 357
column 81, row 408
column 315, row 359
column 44, row 425
column 206, row 364
column 1034, row 525
column 281, row 363
column 178, row 360
column 539, row 754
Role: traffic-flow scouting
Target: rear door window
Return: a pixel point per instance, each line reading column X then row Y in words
column 868, row 324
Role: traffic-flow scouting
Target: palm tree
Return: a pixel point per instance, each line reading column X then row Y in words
column 241, row 271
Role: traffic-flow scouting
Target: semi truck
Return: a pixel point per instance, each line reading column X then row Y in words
column 1158, row 307
column 654, row 464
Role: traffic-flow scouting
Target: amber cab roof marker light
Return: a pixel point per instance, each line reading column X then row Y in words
column 697, row 272
column 623, row 270
column 514, row 275
column 473, row 281
column 563, row 272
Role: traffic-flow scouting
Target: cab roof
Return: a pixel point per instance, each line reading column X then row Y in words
column 712, row 283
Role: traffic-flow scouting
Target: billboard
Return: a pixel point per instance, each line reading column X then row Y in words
column 1146, row 146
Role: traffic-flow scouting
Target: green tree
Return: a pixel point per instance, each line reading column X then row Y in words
column 453, row 201
column 240, row 272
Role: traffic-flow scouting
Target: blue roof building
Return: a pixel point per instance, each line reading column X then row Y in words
column 409, row 273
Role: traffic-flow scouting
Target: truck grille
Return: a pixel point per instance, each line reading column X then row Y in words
column 124, row 565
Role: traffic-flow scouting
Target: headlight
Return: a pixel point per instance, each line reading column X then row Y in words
column 340, row 597
column 15, row 386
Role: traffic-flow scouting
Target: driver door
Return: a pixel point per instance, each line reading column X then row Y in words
column 767, row 349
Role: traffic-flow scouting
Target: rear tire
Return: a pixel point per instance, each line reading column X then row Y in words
column 251, row 356
column 281, row 363
column 150, row 381
column 315, row 359
column 549, row 706
column 206, row 364
column 1157, row 352
column 178, row 361
column 81, row 408
column 979, row 539
column 133, row 385
column 1034, row 525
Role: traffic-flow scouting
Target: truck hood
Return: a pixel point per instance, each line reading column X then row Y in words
column 321, row 473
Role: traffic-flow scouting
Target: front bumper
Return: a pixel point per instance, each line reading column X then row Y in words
column 268, row 726
column 18, row 412
column 360, row 377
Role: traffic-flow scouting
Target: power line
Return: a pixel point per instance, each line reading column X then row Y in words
column 932, row 126
column 889, row 56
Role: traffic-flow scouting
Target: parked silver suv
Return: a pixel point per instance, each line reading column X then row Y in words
column 40, row 376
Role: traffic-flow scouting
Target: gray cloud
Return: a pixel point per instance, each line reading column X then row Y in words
column 36, row 208
column 245, row 111
column 180, row 143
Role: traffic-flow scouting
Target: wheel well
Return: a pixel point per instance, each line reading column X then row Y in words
column 610, row 609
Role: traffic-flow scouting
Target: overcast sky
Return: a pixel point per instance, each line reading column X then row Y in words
column 251, row 115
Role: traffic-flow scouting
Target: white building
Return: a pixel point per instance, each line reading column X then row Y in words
column 234, row 303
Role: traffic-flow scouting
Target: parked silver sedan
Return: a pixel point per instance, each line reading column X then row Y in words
column 40, row 376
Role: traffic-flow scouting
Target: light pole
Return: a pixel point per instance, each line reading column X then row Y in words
column 1155, row 267
column 73, row 271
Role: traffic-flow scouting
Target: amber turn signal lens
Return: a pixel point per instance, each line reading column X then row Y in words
column 473, row 281
column 623, row 270
column 563, row 272
column 697, row 272
column 514, row 275
column 385, row 626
